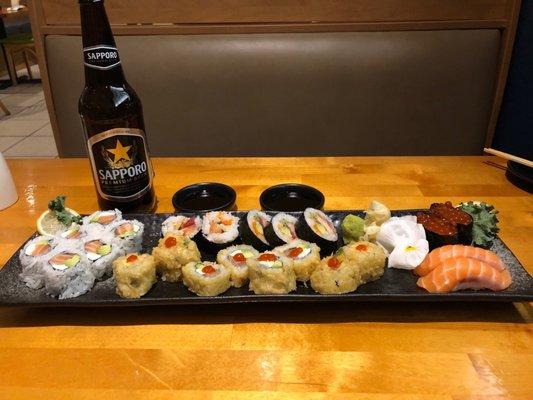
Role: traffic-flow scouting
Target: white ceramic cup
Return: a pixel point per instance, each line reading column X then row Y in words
column 8, row 191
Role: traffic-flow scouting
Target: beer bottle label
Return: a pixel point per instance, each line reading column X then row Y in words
column 120, row 163
column 101, row 57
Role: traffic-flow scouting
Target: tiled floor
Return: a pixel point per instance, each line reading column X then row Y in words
column 27, row 131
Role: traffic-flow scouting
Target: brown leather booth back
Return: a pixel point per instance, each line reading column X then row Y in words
column 301, row 94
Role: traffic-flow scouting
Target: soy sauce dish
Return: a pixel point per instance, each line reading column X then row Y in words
column 291, row 197
column 204, row 197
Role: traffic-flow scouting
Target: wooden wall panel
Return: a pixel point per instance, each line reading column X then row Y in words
column 65, row 12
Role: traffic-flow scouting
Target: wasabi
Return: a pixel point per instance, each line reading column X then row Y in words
column 353, row 228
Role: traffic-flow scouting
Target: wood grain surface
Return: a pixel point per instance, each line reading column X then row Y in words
column 302, row 351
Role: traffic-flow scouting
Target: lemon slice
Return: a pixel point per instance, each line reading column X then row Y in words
column 48, row 224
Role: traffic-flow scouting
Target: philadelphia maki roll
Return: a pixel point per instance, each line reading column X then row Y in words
column 271, row 273
column 100, row 255
column 234, row 259
column 206, row 278
column 305, row 257
column 173, row 252
column 189, row 226
column 134, row 275
column 100, row 219
column 220, row 229
column 252, row 229
column 32, row 256
column 316, row 227
column 73, row 233
column 127, row 235
column 282, row 229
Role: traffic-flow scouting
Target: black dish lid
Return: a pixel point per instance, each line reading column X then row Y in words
column 291, row 197
column 204, row 197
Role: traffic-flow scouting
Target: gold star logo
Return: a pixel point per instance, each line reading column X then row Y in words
column 120, row 152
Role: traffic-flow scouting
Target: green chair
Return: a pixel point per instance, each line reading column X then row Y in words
column 15, row 44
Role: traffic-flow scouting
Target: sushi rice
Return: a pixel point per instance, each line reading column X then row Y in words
column 32, row 256
column 127, row 235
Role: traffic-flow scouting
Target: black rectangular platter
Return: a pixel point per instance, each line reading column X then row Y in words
column 395, row 285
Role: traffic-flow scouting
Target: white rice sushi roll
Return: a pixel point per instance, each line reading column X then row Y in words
column 220, row 229
column 100, row 220
column 75, row 232
column 234, row 259
column 32, row 256
column 189, row 226
column 316, row 227
column 127, row 235
column 101, row 255
column 206, row 278
column 271, row 273
column 282, row 229
column 305, row 257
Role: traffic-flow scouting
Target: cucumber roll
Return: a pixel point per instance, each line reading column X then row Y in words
column 101, row 254
column 189, row 226
column 220, row 229
column 134, row 275
column 271, row 273
column 127, row 235
column 316, row 227
column 281, row 230
column 305, row 257
column 252, row 229
column 206, row 278
column 32, row 256
column 234, row 259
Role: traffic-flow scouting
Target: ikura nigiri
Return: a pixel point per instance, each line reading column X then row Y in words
column 464, row 273
column 437, row 256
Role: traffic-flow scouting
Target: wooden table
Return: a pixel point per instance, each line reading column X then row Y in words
column 341, row 351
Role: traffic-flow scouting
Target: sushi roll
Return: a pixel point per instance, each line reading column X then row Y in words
column 206, row 278
column 305, row 257
column 172, row 253
column 66, row 273
column 101, row 255
column 32, row 256
column 316, row 227
column 368, row 257
column 220, row 229
column 127, row 235
column 282, row 229
column 271, row 273
column 234, row 259
column 189, row 226
column 335, row 275
column 134, row 275
column 75, row 232
column 99, row 220
column 252, row 229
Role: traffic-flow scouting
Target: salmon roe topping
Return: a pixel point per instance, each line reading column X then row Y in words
column 267, row 257
column 132, row 258
column 239, row 257
column 361, row 247
column 334, row 263
column 209, row 269
column 170, row 242
column 293, row 253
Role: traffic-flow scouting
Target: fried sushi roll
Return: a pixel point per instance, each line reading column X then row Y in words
column 316, row 227
column 234, row 259
column 368, row 257
column 134, row 275
column 172, row 253
column 305, row 257
column 206, row 278
column 271, row 273
column 335, row 275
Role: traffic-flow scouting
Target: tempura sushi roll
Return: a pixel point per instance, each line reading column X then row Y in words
column 127, row 235
column 220, row 229
column 271, row 273
column 368, row 257
column 100, row 219
column 282, row 229
column 206, row 278
column 316, row 227
column 101, row 254
column 134, row 275
column 234, row 259
column 32, row 257
column 305, row 257
column 189, row 226
column 252, row 229
column 335, row 275
column 172, row 253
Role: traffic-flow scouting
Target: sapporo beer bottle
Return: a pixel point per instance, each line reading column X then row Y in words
column 112, row 119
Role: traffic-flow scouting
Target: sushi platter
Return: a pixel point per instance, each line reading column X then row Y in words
column 141, row 242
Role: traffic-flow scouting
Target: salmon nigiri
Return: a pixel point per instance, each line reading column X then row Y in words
column 464, row 273
column 440, row 254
